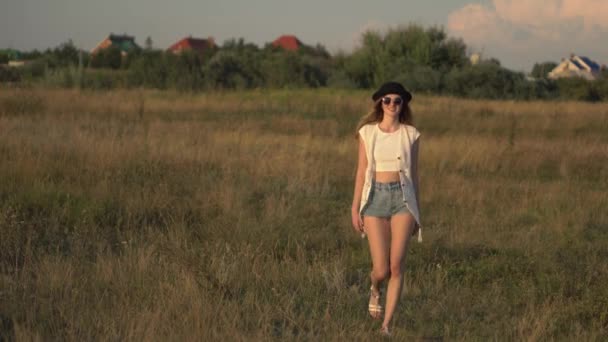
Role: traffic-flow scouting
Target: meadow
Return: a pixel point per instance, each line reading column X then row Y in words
column 158, row 215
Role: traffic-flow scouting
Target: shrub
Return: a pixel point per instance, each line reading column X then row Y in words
column 9, row 75
column 149, row 69
column 107, row 58
column 486, row 80
column 104, row 79
column 578, row 89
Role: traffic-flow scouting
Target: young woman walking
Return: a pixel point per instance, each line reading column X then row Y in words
column 385, row 200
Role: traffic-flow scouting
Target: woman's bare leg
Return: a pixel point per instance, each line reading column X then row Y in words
column 402, row 226
column 378, row 235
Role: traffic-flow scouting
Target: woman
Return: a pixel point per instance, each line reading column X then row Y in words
column 385, row 201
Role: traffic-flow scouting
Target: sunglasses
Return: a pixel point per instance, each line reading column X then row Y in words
column 396, row 101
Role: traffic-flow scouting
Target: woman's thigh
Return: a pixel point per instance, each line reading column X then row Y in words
column 401, row 226
column 378, row 236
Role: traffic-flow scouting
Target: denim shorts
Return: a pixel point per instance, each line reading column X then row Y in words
column 385, row 200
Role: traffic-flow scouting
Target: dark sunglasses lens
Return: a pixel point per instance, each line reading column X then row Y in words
column 387, row 100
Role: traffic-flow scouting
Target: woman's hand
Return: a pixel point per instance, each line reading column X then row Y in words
column 416, row 228
column 356, row 220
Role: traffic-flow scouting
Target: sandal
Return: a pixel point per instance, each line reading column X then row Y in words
column 375, row 310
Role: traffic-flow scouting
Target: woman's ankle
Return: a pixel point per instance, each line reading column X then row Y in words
column 375, row 283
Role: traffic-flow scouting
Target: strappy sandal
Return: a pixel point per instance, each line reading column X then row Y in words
column 375, row 310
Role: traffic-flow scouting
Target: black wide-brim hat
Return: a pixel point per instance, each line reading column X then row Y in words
column 392, row 88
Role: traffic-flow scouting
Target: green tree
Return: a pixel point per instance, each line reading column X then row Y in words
column 186, row 72
column 402, row 53
column 110, row 57
column 485, row 80
column 579, row 89
column 540, row 70
column 227, row 69
column 149, row 69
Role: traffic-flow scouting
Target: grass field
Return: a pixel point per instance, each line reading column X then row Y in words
column 145, row 215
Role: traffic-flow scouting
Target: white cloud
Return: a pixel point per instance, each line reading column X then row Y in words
column 534, row 27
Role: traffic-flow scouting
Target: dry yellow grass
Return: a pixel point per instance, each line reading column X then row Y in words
column 148, row 215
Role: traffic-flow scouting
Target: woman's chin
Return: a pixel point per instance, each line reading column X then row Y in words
column 392, row 113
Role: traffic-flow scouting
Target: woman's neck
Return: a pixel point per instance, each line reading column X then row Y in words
column 389, row 124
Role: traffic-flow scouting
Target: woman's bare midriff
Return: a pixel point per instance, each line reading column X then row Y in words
column 387, row 176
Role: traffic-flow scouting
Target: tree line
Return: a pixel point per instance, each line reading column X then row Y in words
column 425, row 60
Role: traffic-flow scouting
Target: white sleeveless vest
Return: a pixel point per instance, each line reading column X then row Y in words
column 408, row 135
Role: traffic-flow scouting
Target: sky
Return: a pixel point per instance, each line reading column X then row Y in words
column 519, row 33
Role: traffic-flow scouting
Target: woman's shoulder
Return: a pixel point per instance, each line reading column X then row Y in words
column 412, row 130
column 365, row 129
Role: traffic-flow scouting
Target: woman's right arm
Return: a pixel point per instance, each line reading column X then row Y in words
column 359, row 180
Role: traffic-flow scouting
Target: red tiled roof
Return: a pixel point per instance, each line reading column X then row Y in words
column 288, row 42
column 195, row 44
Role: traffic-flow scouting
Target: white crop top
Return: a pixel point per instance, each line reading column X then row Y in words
column 386, row 150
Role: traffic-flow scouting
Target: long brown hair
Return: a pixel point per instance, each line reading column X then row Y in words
column 377, row 114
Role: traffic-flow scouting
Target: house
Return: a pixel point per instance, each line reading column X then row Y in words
column 197, row 45
column 288, row 42
column 18, row 63
column 576, row 66
column 10, row 54
column 123, row 42
column 12, row 58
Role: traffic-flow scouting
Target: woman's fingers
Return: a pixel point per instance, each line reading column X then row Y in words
column 355, row 224
column 362, row 228
column 358, row 227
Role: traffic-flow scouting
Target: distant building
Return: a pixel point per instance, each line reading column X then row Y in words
column 12, row 54
column 197, row 45
column 576, row 66
column 18, row 63
column 12, row 58
column 288, row 42
column 123, row 42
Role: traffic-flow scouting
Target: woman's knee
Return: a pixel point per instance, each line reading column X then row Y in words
column 396, row 270
column 381, row 273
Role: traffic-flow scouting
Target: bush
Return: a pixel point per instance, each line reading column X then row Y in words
column 104, row 79
column 229, row 70
column 540, row 70
column 185, row 71
column 578, row 89
column 149, row 69
column 34, row 70
column 107, row 58
column 4, row 58
column 486, row 80
column 339, row 79
column 9, row 75
column 421, row 79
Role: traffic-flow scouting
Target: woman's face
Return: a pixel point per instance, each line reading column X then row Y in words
column 392, row 104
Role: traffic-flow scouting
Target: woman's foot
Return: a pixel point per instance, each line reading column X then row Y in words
column 374, row 307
